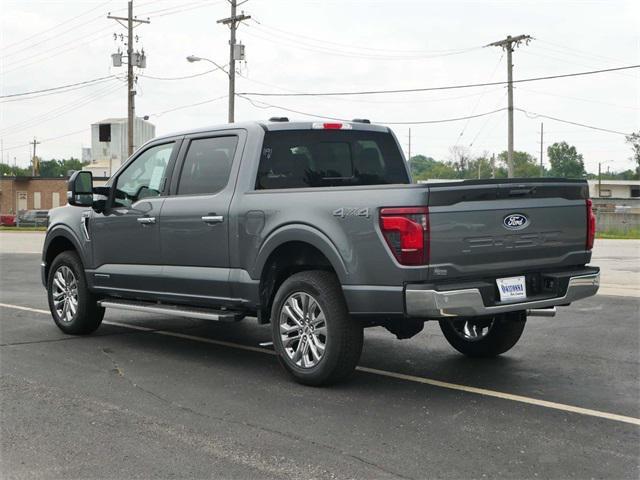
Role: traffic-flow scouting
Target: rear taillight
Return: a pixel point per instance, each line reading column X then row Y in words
column 406, row 231
column 591, row 225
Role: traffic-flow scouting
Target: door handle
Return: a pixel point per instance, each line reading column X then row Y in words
column 212, row 219
column 147, row 220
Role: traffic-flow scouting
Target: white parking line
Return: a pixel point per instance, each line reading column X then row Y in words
column 399, row 376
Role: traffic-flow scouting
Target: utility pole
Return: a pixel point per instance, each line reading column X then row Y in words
column 236, row 52
column 131, row 60
column 35, row 166
column 508, row 44
column 409, row 158
column 599, row 178
column 541, row 148
column 493, row 165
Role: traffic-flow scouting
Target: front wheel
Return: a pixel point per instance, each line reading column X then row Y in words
column 74, row 308
column 484, row 336
column 317, row 341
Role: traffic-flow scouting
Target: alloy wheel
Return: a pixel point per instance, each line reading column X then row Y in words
column 65, row 293
column 474, row 330
column 303, row 330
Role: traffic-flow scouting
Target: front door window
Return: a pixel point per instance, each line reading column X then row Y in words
column 144, row 177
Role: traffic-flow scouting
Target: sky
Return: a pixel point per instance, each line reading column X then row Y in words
column 330, row 45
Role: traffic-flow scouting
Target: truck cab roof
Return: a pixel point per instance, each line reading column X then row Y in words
column 284, row 125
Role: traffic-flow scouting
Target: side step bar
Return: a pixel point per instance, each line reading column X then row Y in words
column 176, row 310
column 542, row 312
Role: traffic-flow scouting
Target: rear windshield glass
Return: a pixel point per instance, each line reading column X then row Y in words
column 329, row 158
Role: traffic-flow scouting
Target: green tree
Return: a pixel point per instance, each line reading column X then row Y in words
column 59, row 168
column 424, row 168
column 11, row 171
column 479, row 167
column 524, row 165
column 565, row 161
column 420, row 164
column 634, row 141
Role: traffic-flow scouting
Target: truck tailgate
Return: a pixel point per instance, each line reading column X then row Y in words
column 504, row 227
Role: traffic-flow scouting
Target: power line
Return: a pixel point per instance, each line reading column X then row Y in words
column 50, row 139
column 184, row 77
column 181, row 107
column 571, row 62
column 588, row 100
column 427, row 89
column 42, row 32
column 60, row 111
column 344, row 45
column 540, row 115
column 266, row 105
column 74, row 43
column 412, row 101
column 182, row 9
column 417, row 122
column 584, row 53
column 298, row 44
column 477, row 104
column 348, row 50
column 487, row 121
column 86, row 82
column 57, row 92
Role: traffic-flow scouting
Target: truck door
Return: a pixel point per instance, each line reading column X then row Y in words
column 194, row 224
column 125, row 238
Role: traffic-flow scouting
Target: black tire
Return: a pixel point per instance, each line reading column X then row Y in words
column 503, row 333
column 88, row 315
column 344, row 335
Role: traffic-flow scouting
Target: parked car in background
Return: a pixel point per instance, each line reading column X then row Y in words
column 8, row 220
column 33, row 218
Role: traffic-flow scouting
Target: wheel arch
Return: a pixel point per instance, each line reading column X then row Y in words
column 290, row 250
column 58, row 241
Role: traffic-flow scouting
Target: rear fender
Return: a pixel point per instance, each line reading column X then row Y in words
column 300, row 233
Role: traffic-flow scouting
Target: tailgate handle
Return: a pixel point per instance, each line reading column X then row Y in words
column 517, row 192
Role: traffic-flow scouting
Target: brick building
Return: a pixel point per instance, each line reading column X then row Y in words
column 31, row 193
column 35, row 193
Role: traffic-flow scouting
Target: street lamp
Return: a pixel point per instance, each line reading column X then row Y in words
column 194, row 58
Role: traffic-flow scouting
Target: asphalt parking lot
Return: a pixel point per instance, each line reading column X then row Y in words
column 154, row 396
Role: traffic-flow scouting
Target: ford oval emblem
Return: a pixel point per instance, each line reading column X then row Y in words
column 515, row 221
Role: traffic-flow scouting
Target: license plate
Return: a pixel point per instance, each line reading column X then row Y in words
column 512, row 288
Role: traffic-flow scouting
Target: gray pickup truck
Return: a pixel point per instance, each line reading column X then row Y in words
column 316, row 228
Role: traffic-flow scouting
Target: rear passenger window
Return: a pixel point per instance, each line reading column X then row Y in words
column 323, row 158
column 207, row 165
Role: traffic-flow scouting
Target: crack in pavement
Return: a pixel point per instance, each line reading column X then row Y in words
column 120, row 372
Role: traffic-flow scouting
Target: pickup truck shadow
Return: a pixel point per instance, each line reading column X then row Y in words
column 427, row 355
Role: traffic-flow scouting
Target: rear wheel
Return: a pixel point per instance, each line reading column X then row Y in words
column 74, row 308
column 317, row 341
column 484, row 336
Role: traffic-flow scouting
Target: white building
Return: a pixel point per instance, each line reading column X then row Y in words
column 85, row 155
column 619, row 189
column 109, row 143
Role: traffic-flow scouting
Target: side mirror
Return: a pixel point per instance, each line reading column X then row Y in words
column 80, row 189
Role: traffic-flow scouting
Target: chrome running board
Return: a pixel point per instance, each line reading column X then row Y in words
column 176, row 310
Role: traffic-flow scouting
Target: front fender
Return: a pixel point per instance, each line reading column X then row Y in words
column 300, row 233
column 54, row 233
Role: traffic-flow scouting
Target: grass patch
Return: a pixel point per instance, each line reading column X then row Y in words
column 4, row 228
column 632, row 234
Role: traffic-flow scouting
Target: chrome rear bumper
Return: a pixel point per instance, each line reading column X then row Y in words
column 469, row 303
